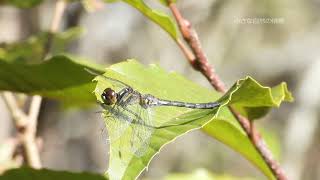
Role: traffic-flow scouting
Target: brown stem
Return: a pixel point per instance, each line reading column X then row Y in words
column 200, row 63
column 259, row 145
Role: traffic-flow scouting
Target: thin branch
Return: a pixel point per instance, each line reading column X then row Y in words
column 30, row 144
column 200, row 63
column 57, row 15
column 27, row 124
column 19, row 117
column 189, row 55
column 34, row 113
column 59, row 9
column 259, row 145
column 25, row 128
column 29, row 139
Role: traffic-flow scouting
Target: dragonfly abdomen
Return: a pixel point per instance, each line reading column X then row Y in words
column 188, row 105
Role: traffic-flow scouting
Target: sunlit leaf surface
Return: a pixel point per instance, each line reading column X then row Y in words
column 124, row 164
column 22, row 3
column 33, row 48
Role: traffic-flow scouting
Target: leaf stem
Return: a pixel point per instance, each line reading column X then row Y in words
column 200, row 63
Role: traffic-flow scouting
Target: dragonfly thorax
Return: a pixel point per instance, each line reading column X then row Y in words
column 109, row 96
column 148, row 101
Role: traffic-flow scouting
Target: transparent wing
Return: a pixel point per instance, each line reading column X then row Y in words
column 116, row 123
column 142, row 129
column 117, row 118
column 127, row 142
column 127, row 116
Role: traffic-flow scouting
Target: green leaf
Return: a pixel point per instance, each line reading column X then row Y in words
column 254, row 100
column 232, row 135
column 259, row 95
column 124, row 164
column 45, row 174
column 22, row 3
column 160, row 18
column 32, row 49
column 58, row 78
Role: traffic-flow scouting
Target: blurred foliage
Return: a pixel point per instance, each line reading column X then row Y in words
column 58, row 78
column 21, row 3
column 25, row 173
column 33, row 49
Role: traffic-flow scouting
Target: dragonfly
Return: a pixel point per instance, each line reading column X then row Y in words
column 128, row 108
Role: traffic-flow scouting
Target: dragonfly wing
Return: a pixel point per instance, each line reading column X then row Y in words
column 117, row 118
column 116, row 122
column 128, row 113
column 142, row 131
column 128, row 142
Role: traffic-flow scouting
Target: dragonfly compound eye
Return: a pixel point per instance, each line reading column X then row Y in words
column 109, row 97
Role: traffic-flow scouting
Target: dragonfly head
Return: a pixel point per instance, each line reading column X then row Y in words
column 109, row 96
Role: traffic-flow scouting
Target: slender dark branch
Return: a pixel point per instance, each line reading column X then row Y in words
column 200, row 63
column 259, row 145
